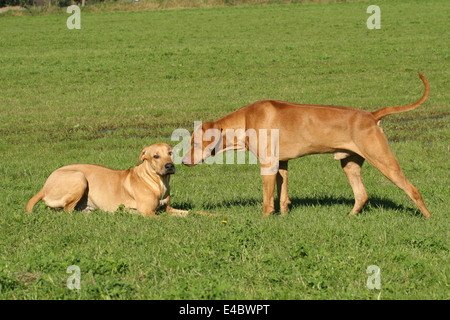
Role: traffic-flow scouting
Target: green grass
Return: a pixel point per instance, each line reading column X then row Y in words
column 128, row 79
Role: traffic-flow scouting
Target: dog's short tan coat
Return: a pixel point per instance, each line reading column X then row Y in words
column 352, row 135
column 144, row 188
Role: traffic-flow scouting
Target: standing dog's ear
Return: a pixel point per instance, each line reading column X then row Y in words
column 142, row 156
column 218, row 146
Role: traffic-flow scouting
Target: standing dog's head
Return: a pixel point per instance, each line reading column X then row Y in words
column 205, row 141
column 159, row 158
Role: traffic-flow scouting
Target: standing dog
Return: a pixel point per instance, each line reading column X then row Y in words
column 144, row 188
column 352, row 135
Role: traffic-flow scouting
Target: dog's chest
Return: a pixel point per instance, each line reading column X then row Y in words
column 163, row 203
column 164, row 195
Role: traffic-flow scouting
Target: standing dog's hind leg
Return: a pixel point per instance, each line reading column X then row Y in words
column 268, row 190
column 352, row 168
column 282, row 187
column 381, row 156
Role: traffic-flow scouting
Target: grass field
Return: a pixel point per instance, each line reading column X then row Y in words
column 128, row 79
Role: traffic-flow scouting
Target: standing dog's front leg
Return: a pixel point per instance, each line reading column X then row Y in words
column 282, row 187
column 268, row 189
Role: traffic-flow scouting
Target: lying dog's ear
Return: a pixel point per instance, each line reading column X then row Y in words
column 142, row 157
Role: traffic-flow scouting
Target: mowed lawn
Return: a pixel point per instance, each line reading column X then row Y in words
column 126, row 80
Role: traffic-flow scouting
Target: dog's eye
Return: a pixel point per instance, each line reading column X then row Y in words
column 170, row 153
column 155, row 156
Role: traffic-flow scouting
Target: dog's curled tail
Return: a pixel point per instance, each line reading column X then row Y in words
column 35, row 199
column 390, row 110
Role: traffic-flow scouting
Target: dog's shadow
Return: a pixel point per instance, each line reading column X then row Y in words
column 241, row 202
column 373, row 203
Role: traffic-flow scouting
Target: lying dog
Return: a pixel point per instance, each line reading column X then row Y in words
column 279, row 131
column 144, row 188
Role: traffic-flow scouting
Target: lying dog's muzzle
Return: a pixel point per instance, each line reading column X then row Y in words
column 170, row 168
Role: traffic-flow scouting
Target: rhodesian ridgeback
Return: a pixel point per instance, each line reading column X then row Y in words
column 144, row 188
column 281, row 131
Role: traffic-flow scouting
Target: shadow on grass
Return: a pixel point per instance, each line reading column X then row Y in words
column 240, row 202
column 374, row 203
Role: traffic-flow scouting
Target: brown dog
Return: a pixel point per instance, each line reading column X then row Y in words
column 277, row 131
column 144, row 188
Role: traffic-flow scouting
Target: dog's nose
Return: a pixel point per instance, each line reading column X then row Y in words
column 169, row 166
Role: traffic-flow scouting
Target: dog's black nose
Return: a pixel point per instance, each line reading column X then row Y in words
column 169, row 166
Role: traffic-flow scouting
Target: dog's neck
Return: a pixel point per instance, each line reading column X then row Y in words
column 233, row 134
column 149, row 176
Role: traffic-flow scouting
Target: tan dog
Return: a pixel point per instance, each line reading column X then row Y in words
column 352, row 135
column 144, row 188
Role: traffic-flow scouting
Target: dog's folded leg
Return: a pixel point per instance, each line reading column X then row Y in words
column 65, row 188
column 148, row 208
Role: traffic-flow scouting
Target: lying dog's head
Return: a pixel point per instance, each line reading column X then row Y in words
column 204, row 141
column 159, row 158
